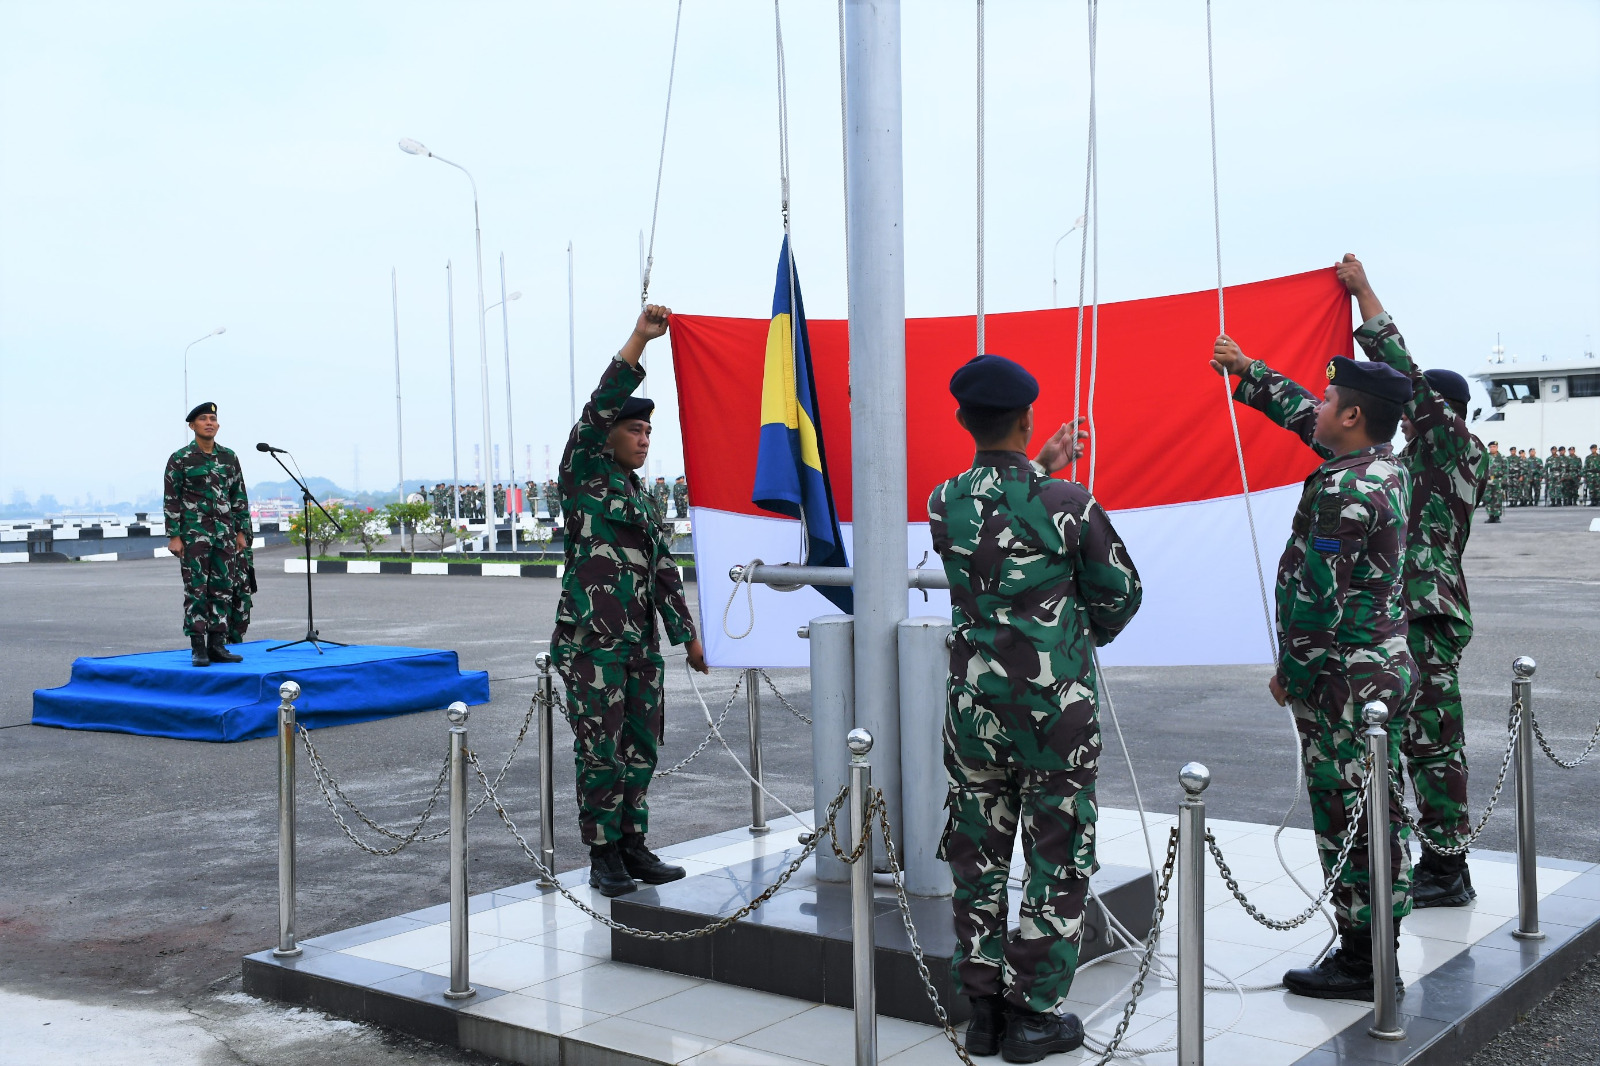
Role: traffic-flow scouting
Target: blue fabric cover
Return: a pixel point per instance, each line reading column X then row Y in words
column 159, row 694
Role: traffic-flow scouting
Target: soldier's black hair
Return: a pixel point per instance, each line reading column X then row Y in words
column 990, row 425
column 1382, row 416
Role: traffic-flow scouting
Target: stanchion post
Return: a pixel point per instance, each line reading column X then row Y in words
column 460, row 987
column 758, row 799
column 288, row 692
column 1527, row 856
column 1194, row 778
column 547, row 770
column 862, row 978
column 1380, row 892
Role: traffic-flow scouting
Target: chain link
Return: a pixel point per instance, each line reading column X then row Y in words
column 723, row 717
column 1588, row 748
column 326, row 782
column 791, row 708
column 1150, row 943
column 1513, row 726
column 1356, row 814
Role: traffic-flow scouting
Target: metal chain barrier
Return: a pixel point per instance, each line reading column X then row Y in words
column 1150, row 943
column 1357, row 813
column 711, row 735
column 1588, row 749
column 651, row 934
column 1513, row 726
column 791, row 708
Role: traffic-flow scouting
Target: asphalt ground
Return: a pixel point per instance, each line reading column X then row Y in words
column 136, row 871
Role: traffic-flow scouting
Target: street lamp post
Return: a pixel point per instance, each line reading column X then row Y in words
column 412, row 147
column 191, row 344
column 511, row 441
column 455, row 462
column 1075, row 227
column 399, row 431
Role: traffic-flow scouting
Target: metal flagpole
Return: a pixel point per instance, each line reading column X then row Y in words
column 572, row 349
column 511, row 440
column 874, row 223
column 455, row 459
column 399, row 434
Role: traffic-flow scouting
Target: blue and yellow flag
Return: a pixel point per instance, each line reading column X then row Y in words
column 791, row 464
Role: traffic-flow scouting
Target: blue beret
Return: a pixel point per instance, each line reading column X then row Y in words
column 995, row 382
column 1449, row 384
column 636, row 407
column 1374, row 379
column 207, row 408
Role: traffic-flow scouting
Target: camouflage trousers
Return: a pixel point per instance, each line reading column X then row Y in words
column 1434, row 740
column 1494, row 499
column 239, row 608
column 989, row 803
column 616, row 714
column 209, row 577
column 1334, row 753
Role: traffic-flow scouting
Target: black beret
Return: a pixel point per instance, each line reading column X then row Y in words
column 635, row 407
column 994, row 382
column 1374, row 379
column 1449, row 384
column 200, row 409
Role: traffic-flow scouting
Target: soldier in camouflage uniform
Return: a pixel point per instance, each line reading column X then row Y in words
column 1533, row 470
column 208, row 525
column 1038, row 579
column 1342, row 626
column 680, row 497
column 663, row 495
column 1591, row 474
column 1571, row 476
column 1449, row 468
column 1494, row 489
column 552, row 500
column 619, row 574
column 1514, row 477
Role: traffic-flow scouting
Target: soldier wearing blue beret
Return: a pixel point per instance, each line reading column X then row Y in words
column 208, row 528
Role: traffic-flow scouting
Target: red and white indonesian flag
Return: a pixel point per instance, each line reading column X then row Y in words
column 1166, row 469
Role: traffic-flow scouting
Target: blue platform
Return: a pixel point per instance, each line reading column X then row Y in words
column 160, row 694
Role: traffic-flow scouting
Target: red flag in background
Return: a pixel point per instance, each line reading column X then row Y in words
column 1161, row 432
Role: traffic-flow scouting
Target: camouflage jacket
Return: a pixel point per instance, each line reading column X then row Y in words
column 1591, row 466
column 619, row 567
column 1038, row 580
column 1533, row 470
column 680, row 499
column 1498, row 473
column 203, row 497
column 1449, row 468
column 1339, row 578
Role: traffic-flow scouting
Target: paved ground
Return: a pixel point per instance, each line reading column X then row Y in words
column 138, row 870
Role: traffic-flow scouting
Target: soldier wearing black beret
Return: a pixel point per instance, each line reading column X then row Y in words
column 208, row 528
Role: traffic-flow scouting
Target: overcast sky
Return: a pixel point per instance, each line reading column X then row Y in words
column 166, row 168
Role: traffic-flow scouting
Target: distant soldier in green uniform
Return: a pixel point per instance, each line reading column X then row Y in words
column 1533, row 468
column 1449, row 469
column 619, row 575
column 663, row 495
column 208, row 525
column 552, row 500
column 1038, row 580
column 1342, row 626
column 680, row 497
column 1591, row 474
column 1514, row 476
column 1494, row 490
column 1571, row 475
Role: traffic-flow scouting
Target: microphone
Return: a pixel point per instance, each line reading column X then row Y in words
column 270, row 448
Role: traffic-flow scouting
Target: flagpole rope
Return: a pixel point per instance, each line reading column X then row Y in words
column 661, row 162
column 844, row 166
column 788, row 241
column 980, row 187
column 1083, row 240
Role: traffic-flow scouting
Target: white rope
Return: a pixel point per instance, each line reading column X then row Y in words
column 1083, row 239
column 749, row 602
column 655, row 210
column 980, row 177
column 718, row 734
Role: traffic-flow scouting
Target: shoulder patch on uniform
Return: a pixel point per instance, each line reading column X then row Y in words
column 1329, row 508
column 1329, row 545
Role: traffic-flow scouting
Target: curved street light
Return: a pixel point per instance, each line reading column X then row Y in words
column 1076, row 226
column 411, row 147
column 497, row 303
column 191, row 344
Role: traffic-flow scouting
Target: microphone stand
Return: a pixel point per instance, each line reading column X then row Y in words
column 306, row 502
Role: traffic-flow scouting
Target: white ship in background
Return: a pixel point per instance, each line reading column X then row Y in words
column 1541, row 404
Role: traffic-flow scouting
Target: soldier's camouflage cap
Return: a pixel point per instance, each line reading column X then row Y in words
column 1374, row 379
column 207, row 408
column 993, row 382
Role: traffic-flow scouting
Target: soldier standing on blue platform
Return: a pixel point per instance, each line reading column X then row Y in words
column 1038, row 579
column 619, row 574
column 1341, row 626
column 208, row 525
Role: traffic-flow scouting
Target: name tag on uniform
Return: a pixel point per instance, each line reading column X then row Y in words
column 1326, row 544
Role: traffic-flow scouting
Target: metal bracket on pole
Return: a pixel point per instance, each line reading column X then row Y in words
column 1380, row 891
column 1194, row 778
column 863, row 980
column 758, row 799
column 460, row 988
column 547, row 771
column 1527, row 857
column 288, row 692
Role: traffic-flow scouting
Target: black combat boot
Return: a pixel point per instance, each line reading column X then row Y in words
column 642, row 864
column 1030, row 1037
column 987, row 1026
column 198, row 656
column 1442, row 881
column 1345, row 974
column 218, row 649
column 607, row 873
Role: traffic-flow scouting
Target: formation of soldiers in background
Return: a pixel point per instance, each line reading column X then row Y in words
column 548, row 494
column 1519, row 478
